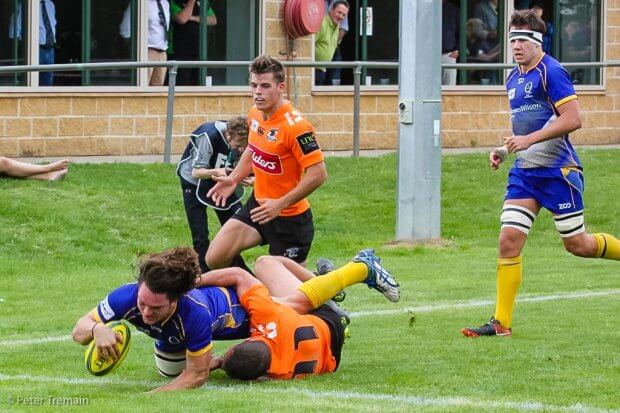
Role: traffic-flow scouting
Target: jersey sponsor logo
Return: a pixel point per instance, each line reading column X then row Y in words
column 254, row 125
column 260, row 131
column 106, row 309
column 528, row 90
column 521, row 80
column 265, row 161
column 526, row 108
column 511, row 94
column 271, row 137
column 307, row 142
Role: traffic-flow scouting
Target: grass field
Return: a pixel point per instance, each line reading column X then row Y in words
column 66, row 244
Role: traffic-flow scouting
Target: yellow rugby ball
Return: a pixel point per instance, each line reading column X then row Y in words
column 100, row 367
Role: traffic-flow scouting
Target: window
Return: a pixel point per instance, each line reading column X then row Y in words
column 573, row 33
column 96, row 31
column 379, row 42
column 578, row 39
column 13, row 40
column 481, row 40
column 92, row 31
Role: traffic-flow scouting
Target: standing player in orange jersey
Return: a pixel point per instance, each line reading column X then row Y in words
column 288, row 166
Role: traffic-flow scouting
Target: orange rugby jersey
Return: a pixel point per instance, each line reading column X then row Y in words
column 282, row 147
column 299, row 344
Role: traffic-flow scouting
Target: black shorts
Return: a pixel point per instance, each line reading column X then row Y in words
column 286, row 236
column 336, row 328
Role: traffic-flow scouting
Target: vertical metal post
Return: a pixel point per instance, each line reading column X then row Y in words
column 419, row 140
column 24, row 30
column 134, row 39
column 86, row 23
column 463, row 42
column 364, row 37
column 357, row 73
column 172, row 81
column 202, row 41
column 557, row 21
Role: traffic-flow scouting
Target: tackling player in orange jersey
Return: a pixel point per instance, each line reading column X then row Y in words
column 292, row 333
column 288, row 165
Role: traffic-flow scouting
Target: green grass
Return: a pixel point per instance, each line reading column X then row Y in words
column 66, row 244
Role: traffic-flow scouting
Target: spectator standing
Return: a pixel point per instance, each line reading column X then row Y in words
column 450, row 27
column 327, row 39
column 336, row 72
column 185, row 36
column 159, row 22
column 538, row 7
column 47, row 35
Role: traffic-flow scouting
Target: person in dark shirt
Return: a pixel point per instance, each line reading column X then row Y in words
column 450, row 26
column 186, row 35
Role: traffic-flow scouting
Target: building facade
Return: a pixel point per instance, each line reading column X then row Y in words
column 115, row 112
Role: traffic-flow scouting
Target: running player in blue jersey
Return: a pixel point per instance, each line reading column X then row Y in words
column 547, row 172
column 163, row 305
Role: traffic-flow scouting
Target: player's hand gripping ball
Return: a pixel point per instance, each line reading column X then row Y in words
column 99, row 366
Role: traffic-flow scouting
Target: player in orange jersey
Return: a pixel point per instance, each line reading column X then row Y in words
column 288, row 166
column 292, row 333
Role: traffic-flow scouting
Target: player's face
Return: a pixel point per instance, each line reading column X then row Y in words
column 524, row 51
column 154, row 307
column 236, row 143
column 266, row 92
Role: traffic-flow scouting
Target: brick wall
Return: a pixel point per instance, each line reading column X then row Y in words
column 127, row 124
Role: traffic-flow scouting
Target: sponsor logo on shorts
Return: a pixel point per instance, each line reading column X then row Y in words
column 307, row 142
column 292, row 252
column 106, row 309
column 265, row 161
column 565, row 205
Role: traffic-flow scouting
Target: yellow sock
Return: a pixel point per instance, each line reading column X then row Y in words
column 509, row 274
column 320, row 289
column 608, row 246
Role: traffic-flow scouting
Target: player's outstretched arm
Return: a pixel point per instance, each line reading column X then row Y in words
column 88, row 328
column 226, row 185
column 234, row 277
column 196, row 374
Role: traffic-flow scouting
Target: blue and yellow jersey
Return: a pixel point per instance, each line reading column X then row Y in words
column 201, row 315
column 534, row 97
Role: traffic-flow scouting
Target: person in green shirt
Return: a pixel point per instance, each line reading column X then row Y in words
column 327, row 39
column 185, row 33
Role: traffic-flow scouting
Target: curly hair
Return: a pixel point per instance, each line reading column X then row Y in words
column 238, row 126
column 267, row 64
column 172, row 272
column 529, row 19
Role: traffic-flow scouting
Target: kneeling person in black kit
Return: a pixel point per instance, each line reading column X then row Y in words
column 212, row 149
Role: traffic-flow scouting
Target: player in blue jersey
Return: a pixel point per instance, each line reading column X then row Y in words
column 212, row 147
column 164, row 305
column 547, row 172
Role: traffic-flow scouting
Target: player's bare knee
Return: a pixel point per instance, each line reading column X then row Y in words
column 580, row 247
